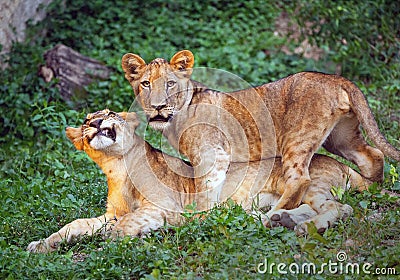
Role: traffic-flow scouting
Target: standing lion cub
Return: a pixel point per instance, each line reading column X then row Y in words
column 143, row 192
column 290, row 118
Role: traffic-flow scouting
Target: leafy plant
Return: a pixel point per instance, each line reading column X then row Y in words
column 360, row 33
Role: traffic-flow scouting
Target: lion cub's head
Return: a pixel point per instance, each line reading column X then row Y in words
column 162, row 88
column 104, row 133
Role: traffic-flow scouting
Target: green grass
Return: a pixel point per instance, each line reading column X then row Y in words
column 45, row 183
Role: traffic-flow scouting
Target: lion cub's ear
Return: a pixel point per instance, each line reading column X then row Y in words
column 75, row 136
column 131, row 63
column 183, row 61
column 131, row 118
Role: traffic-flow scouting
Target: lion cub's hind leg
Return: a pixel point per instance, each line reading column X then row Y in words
column 296, row 160
column 330, row 212
column 347, row 141
column 143, row 220
column 326, row 173
column 295, row 180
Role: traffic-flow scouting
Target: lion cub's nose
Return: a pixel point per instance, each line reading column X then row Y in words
column 159, row 106
column 96, row 123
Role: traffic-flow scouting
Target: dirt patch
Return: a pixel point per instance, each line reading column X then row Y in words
column 285, row 27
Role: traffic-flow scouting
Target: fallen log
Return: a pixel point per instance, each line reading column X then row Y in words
column 73, row 70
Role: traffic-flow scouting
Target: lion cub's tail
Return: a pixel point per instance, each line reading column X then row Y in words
column 364, row 114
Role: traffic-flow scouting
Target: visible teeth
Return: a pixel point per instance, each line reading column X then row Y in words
column 108, row 132
column 159, row 125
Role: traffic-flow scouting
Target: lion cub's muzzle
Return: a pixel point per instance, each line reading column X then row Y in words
column 94, row 129
column 159, row 118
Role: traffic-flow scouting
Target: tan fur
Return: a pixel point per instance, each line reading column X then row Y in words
column 307, row 110
column 144, row 192
column 117, row 159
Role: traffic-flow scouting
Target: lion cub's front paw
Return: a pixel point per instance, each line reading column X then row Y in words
column 40, row 246
column 281, row 219
column 289, row 218
column 115, row 233
column 125, row 226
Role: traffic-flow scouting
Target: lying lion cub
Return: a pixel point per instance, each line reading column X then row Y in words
column 143, row 192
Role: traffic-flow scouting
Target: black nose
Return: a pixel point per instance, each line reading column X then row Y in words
column 158, row 107
column 96, row 123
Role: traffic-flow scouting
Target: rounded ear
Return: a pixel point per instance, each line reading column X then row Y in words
column 75, row 136
column 183, row 61
column 131, row 63
column 131, row 118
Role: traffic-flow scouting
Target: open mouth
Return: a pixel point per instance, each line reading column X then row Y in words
column 108, row 132
column 159, row 122
column 159, row 118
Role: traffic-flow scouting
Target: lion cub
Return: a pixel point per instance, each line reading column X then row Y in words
column 147, row 188
column 290, row 118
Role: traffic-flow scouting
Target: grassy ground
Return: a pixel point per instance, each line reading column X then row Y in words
column 45, row 183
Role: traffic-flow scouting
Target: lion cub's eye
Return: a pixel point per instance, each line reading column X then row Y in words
column 171, row 83
column 145, row 84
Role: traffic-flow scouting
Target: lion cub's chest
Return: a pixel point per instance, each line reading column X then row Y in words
column 239, row 123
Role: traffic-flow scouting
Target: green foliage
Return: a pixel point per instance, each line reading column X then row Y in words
column 361, row 33
column 45, row 183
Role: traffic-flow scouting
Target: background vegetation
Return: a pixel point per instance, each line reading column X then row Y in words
column 45, row 183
